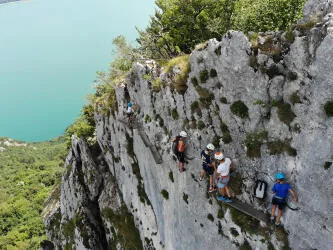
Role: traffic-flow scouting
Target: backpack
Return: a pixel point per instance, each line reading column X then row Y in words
column 260, row 189
column 174, row 147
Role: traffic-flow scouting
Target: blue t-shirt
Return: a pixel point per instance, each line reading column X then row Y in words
column 206, row 158
column 281, row 189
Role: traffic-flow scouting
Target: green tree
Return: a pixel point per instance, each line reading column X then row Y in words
column 126, row 54
column 178, row 25
column 264, row 15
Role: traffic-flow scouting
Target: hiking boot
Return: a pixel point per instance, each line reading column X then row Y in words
column 201, row 178
column 220, row 198
column 211, row 189
column 273, row 219
column 227, row 199
column 278, row 224
column 182, row 170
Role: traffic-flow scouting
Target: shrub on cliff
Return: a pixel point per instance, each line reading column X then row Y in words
column 328, row 107
column 179, row 79
column 240, row 109
column 83, row 127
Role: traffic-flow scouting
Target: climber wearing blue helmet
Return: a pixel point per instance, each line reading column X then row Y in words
column 129, row 112
column 280, row 191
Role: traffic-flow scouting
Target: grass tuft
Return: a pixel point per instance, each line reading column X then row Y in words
column 253, row 142
column 179, row 80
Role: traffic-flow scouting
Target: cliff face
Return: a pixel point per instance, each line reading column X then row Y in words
column 262, row 102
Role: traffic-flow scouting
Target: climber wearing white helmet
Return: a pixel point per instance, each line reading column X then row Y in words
column 223, row 176
column 208, row 165
column 179, row 147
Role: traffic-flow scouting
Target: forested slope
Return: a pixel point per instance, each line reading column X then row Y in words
column 28, row 172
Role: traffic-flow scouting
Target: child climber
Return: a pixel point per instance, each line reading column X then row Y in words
column 208, row 166
column 280, row 191
column 129, row 111
column 223, row 176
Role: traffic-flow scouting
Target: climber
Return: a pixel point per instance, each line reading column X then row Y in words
column 223, row 176
column 130, row 113
column 178, row 148
column 208, row 166
column 280, row 191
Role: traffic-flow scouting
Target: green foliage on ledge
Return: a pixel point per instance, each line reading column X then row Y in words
column 240, row 109
column 328, row 107
column 278, row 147
column 177, row 28
column 83, row 127
column 174, row 114
column 201, row 125
column 204, row 76
column 165, row 194
column 28, row 174
column 285, row 113
column 253, row 142
column 180, row 79
column 266, row 15
column 125, row 231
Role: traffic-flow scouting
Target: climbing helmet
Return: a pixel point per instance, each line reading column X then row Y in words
column 219, row 156
column 280, row 176
column 183, row 134
column 210, row 146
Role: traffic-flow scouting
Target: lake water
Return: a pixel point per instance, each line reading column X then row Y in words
column 50, row 51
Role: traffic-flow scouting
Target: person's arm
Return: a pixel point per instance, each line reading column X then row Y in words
column 274, row 189
column 293, row 194
column 213, row 164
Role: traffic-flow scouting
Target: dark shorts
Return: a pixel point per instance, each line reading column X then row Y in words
column 281, row 203
column 209, row 170
column 181, row 157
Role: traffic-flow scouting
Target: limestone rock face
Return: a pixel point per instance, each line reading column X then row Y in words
column 317, row 8
column 261, row 103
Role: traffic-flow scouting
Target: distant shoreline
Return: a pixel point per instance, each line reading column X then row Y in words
column 8, row 1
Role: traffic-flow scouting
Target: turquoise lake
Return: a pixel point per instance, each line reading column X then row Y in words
column 50, row 51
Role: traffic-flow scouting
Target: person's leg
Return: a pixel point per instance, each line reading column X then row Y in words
column 202, row 174
column 278, row 217
column 228, row 192
column 181, row 162
column 273, row 211
column 211, row 180
column 222, row 191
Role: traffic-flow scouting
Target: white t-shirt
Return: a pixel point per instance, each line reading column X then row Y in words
column 224, row 168
column 129, row 110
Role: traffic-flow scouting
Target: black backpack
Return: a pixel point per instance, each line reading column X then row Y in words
column 175, row 144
